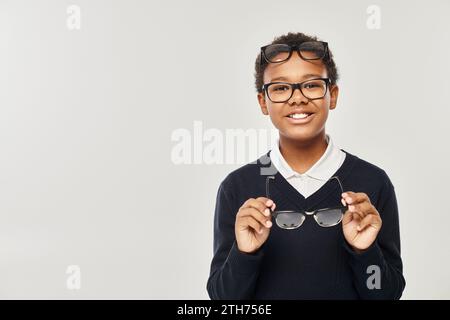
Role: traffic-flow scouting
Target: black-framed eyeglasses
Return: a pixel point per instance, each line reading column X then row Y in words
column 308, row 50
column 292, row 219
column 312, row 89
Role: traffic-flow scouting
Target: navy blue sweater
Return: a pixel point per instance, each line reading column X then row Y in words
column 309, row 262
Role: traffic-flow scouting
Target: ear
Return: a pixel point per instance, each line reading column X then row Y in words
column 334, row 92
column 262, row 103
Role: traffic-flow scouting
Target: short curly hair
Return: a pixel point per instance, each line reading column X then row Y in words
column 295, row 39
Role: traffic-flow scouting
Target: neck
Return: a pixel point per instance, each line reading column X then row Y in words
column 302, row 155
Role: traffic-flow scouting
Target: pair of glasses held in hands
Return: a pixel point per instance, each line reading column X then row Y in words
column 292, row 219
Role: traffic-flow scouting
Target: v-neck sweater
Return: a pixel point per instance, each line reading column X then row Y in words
column 317, row 175
column 310, row 262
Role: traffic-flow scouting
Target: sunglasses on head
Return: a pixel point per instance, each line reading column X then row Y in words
column 308, row 50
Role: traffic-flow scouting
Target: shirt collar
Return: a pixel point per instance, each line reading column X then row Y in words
column 321, row 170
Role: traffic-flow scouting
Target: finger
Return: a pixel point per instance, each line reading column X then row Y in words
column 255, row 225
column 262, row 204
column 353, row 197
column 267, row 202
column 363, row 208
column 257, row 204
column 257, row 215
column 246, row 203
column 355, row 212
column 348, row 217
column 356, row 217
column 370, row 220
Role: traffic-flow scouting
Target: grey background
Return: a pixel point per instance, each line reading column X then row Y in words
column 86, row 118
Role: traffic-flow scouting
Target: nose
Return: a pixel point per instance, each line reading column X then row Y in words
column 298, row 97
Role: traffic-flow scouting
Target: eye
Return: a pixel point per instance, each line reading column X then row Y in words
column 280, row 87
column 311, row 85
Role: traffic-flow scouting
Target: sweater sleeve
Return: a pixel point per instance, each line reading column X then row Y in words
column 233, row 273
column 382, row 259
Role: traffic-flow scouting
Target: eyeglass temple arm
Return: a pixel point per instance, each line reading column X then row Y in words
column 334, row 177
column 339, row 181
column 267, row 186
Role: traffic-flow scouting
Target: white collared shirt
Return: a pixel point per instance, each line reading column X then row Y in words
column 312, row 180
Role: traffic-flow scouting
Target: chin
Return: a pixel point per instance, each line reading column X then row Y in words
column 302, row 137
column 299, row 133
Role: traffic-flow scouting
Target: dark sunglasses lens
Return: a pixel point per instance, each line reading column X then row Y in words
column 290, row 220
column 329, row 218
column 277, row 52
column 312, row 50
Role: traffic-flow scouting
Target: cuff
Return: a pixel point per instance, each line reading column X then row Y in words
column 245, row 263
column 371, row 256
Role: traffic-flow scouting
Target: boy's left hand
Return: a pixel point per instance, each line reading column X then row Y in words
column 362, row 222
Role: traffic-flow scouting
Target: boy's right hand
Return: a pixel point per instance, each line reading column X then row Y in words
column 253, row 223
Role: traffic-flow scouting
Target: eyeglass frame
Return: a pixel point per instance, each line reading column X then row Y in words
column 291, row 49
column 295, row 86
column 275, row 213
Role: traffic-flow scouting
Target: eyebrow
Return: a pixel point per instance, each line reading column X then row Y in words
column 309, row 75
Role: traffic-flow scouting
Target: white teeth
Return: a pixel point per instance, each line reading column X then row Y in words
column 298, row 115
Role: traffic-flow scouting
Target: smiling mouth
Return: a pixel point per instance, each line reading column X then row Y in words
column 299, row 115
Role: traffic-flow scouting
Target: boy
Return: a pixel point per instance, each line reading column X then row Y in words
column 294, row 233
